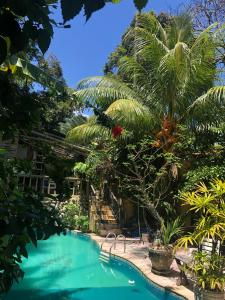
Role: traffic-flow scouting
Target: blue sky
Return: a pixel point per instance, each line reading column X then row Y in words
column 84, row 48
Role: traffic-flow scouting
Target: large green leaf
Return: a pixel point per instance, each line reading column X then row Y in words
column 140, row 4
column 71, row 8
column 44, row 40
column 91, row 6
column 35, row 73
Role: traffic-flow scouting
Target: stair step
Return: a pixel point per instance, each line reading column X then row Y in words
column 106, row 218
column 105, row 207
column 109, row 214
column 104, row 256
column 103, row 253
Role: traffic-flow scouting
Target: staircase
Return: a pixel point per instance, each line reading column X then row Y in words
column 106, row 214
column 102, row 216
column 104, row 256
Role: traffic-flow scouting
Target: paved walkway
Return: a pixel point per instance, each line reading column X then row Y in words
column 137, row 254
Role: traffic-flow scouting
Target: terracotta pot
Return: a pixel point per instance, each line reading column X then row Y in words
column 209, row 295
column 161, row 260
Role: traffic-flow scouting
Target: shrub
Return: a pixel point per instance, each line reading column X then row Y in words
column 73, row 217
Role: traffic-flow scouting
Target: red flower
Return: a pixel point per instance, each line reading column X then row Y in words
column 116, row 131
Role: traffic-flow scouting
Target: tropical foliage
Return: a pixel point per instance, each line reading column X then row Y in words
column 209, row 271
column 157, row 128
column 170, row 230
column 147, row 175
column 25, row 217
column 209, row 204
column 74, row 218
column 168, row 81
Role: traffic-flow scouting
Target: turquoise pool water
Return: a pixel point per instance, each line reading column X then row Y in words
column 68, row 268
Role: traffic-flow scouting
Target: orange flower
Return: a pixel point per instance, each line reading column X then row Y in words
column 156, row 144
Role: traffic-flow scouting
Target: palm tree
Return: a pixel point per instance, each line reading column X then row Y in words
column 168, row 81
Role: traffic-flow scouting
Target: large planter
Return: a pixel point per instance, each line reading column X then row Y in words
column 161, row 260
column 209, row 295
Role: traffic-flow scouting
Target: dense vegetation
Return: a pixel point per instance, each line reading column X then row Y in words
column 157, row 129
column 154, row 125
column 26, row 216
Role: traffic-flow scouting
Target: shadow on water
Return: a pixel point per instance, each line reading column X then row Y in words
column 65, row 268
column 42, row 247
column 88, row 293
column 32, row 294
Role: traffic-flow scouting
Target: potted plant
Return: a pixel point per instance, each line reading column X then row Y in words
column 207, row 203
column 209, row 276
column 161, row 251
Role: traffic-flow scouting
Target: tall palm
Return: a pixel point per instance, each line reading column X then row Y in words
column 170, row 80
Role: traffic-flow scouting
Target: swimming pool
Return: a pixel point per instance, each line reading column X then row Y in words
column 68, row 268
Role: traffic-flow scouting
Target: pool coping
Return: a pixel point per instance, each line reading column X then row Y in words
column 160, row 281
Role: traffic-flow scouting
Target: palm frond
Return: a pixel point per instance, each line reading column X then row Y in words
column 208, row 109
column 180, row 30
column 102, row 90
column 132, row 115
column 144, row 37
column 150, row 23
column 173, row 72
column 135, row 72
column 84, row 133
column 106, row 82
column 102, row 96
column 175, row 64
column 214, row 97
column 204, row 38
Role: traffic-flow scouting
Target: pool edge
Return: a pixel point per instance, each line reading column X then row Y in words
column 180, row 291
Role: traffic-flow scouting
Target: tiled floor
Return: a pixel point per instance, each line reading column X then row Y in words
column 137, row 253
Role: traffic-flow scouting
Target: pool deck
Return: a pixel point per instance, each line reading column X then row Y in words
column 137, row 254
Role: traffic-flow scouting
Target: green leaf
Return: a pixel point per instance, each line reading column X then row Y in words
column 3, row 49
column 29, row 30
column 39, row 233
column 35, row 73
column 140, row 4
column 23, row 251
column 44, row 40
column 91, row 6
column 32, row 236
column 71, row 8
